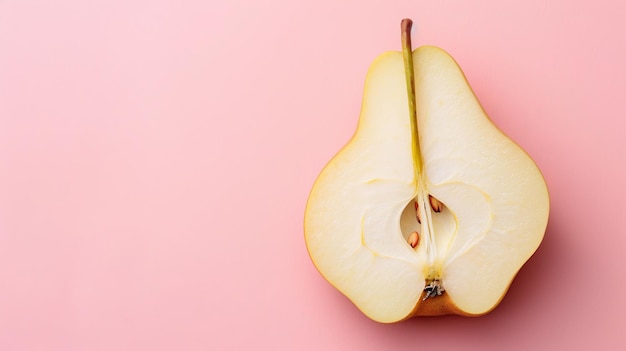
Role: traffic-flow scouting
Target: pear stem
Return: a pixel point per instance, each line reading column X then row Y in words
column 423, row 197
column 407, row 55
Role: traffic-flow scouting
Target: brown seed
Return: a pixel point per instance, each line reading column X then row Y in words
column 413, row 239
column 417, row 213
column 435, row 204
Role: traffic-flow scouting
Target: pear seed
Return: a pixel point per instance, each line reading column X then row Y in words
column 435, row 204
column 417, row 213
column 413, row 239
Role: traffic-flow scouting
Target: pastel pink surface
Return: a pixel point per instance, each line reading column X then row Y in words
column 156, row 157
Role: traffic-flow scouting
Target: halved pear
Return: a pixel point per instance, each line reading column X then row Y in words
column 492, row 199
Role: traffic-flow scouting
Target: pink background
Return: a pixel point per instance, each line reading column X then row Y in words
column 156, row 156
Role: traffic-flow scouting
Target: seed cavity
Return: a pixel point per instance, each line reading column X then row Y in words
column 436, row 206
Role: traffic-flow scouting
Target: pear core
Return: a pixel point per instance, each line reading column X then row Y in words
column 361, row 210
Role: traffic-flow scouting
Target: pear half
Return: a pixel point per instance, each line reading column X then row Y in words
column 427, row 217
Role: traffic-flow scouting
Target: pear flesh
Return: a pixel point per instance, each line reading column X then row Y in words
column 361, row 210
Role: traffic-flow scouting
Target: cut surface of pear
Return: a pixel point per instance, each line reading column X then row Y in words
column 365, row 202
